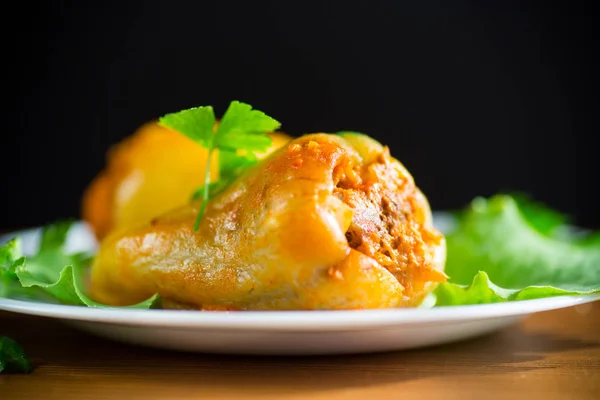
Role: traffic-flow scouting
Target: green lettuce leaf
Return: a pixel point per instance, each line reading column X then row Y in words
column 67, row 289
column 483, row 291
column 10, row 259
column 509, row 248
column 12, row 357
column 51, row 274
column 48, row 262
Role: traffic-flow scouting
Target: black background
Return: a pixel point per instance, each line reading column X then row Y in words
column 473, row 97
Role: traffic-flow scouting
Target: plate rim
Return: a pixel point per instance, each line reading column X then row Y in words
column 325, row 320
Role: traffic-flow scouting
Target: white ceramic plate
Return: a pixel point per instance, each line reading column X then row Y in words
column 285, row 332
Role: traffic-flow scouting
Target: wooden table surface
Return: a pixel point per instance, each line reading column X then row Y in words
column 551, row 355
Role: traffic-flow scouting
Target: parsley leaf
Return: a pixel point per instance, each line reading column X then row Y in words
column 240, row 131
column 12, row 357
column 196, row 123
column 232, row 164
column 510, row 248
column 243, row 128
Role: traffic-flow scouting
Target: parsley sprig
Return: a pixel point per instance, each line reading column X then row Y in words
column 240, row 132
